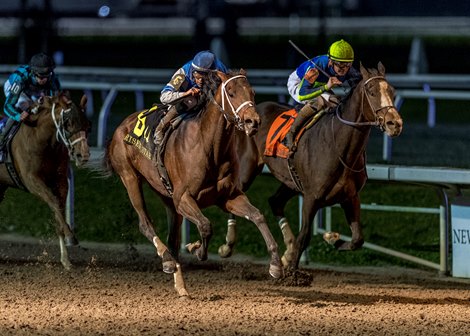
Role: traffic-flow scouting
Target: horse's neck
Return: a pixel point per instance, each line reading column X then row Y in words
column 352, row 140
column 45, row 130
column 216, row 131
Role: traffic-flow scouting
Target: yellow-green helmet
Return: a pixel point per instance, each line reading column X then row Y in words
column 341, row 51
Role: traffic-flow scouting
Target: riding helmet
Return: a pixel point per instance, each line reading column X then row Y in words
column 341, row 51
column 41, row 64
column 203, row 61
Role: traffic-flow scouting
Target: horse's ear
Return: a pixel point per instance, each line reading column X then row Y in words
column 364, row 72
column 41, row 100
column 242, row 72
column 83, row 102
column 221, row 75
column 381, row 68
column 64, row 96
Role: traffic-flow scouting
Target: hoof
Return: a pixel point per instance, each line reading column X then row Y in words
column 201, row 254
column 331, row 237
column 71, row 241
column 169, row 267
column 185, row 296
column 225, row 251
column 192, row 247
column 275, row 271
column 284, row 261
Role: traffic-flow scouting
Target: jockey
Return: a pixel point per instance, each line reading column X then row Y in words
column 24, row 86
column 187, row 81
column 311, row 83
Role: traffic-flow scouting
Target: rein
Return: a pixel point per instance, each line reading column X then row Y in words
column 378, row 122
column 61, row 132
column 235, row 111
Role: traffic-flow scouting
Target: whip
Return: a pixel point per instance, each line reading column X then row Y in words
column 309, row 59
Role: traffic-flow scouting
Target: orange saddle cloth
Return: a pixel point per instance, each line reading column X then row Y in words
column 276, row 134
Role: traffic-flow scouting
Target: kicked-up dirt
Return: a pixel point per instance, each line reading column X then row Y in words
column 117, row 290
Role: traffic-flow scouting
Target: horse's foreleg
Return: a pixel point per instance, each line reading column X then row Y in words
column 289, row 241
column 352, row 209
column 278, row 202
column 309, row 210
column 187, row 207
column 241, row 206
column 56, row 199
column 174, row 221
column 64, row 256
column 226, row 249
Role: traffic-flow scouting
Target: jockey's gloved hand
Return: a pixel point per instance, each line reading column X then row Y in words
column 24, row 115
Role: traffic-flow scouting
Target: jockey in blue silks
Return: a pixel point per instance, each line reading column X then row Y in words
column 26, row 85
column 187, row 81
column 311, row 83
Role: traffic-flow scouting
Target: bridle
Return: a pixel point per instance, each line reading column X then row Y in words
column 379, row 120
column 67, row 138
column 235, row 118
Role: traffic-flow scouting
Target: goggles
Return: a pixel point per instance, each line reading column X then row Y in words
column 342, row 65
column 42, row 75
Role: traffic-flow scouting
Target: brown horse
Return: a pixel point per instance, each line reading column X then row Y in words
column 330, row 162
column 39, row 155
column 202, row 165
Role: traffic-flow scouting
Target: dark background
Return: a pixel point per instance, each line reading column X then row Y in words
column 37, row 31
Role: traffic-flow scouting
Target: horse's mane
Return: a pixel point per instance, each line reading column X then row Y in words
column 212, row 83
column 372, row 72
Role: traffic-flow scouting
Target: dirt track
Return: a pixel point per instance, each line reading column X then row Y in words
column 114, row 291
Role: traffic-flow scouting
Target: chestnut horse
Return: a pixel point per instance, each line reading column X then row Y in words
column 55, row 132
column 202, row 166
column 330, row 162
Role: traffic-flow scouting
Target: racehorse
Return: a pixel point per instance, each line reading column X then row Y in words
column 202, row 165
column 329, row 166
column 38, row 157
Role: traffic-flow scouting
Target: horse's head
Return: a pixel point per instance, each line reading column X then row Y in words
column 378, row 100
column 72, row 126
column 236, row 97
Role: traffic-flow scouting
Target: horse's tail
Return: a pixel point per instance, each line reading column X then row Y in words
column 107, row 167
column 102, row 166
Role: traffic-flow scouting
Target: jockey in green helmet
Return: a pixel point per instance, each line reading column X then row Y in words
column 310, row 84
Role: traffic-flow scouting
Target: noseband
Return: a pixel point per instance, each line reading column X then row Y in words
column 62, row 134
column 235, row 111
column 379, row 120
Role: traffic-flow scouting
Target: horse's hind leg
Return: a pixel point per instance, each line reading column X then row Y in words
column 241, row 206
column 135, row 193
column 278, row 202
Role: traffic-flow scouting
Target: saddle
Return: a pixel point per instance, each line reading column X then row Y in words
column 6, row 157
column 275, row 140
column 141, row 137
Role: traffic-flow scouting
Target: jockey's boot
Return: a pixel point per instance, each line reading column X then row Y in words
column 163, row 126
column 5, row 130
column 306, row 112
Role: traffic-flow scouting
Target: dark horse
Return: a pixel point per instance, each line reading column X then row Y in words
column 202, row 165
column 55, row 132
column 330, row 162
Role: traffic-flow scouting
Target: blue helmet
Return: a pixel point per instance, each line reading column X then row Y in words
column 203, row 61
